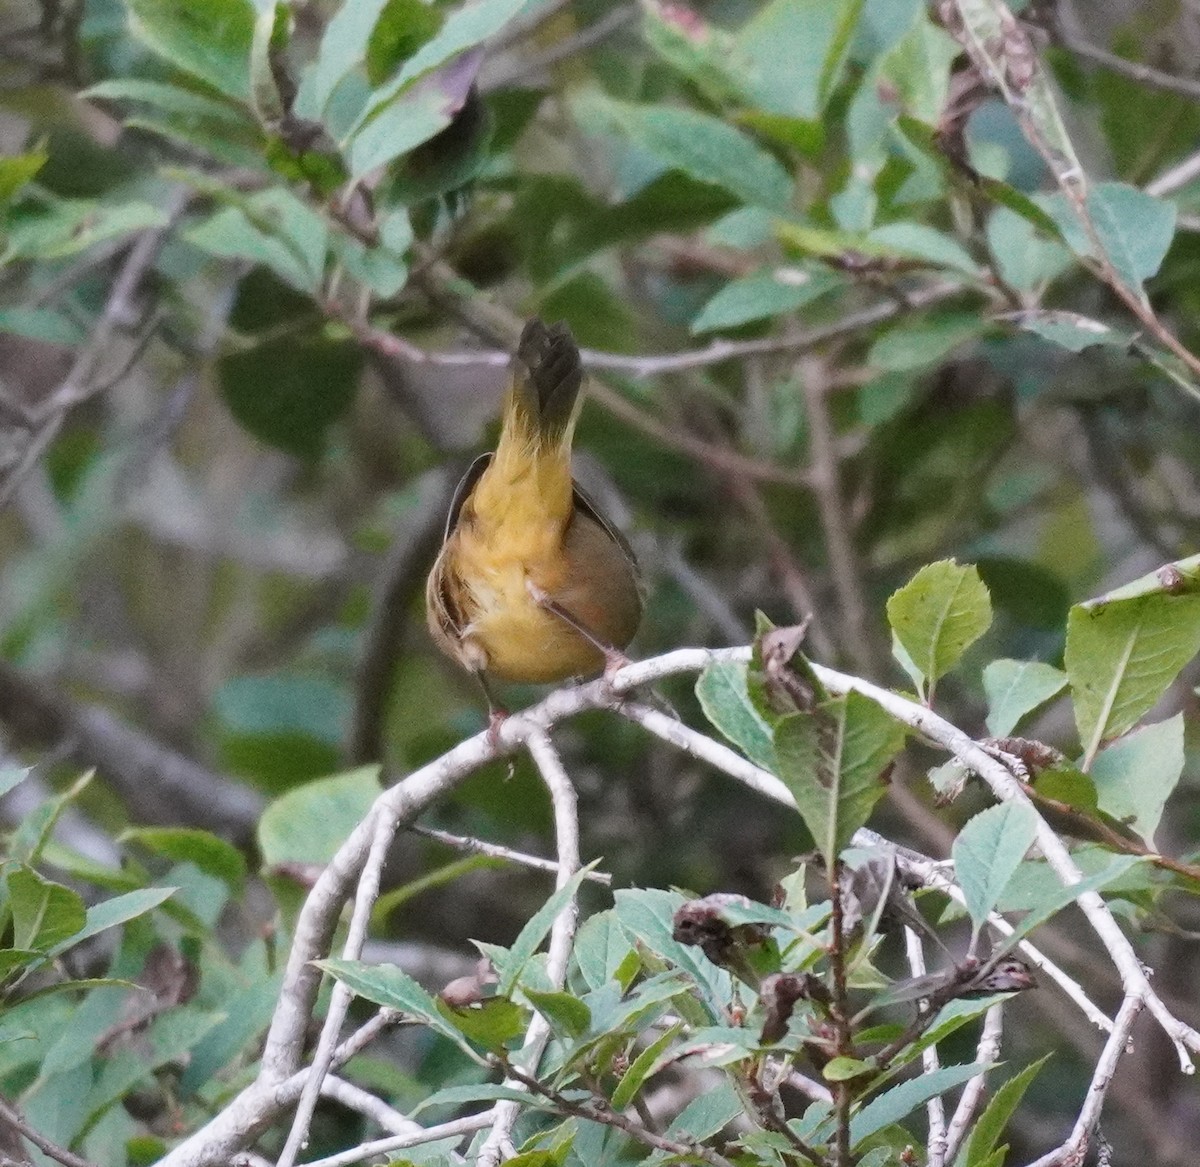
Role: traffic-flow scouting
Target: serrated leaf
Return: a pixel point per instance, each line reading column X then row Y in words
column 920, row 344
column 1060, row 897
column 626, row 1090
column 1121, row 656
column 922, row 242
column 169, row 98
column 413, row 116
column 724, row 696
column 842, row 1069
column 988, row 851
column 567, row 1014
column 902, row 1100
column 1003, row 1104
column 833, row 762
column 1015, row 688
column 44, row 913
column 536, row 929
column 391, row 987
column 1135, row 776
column 1027, row 259
column 939, row 614
column 794, row 51
column 703, row 1117
column 491, row 1023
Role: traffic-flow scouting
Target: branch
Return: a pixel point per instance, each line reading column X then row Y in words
column 281, row 1078
column 562, row 934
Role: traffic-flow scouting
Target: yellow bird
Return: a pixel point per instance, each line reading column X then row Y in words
column 532, row 583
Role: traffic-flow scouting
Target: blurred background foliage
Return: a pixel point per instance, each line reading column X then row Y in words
column 260, row 264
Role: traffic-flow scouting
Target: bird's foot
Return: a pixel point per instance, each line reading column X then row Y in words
column 497, row 716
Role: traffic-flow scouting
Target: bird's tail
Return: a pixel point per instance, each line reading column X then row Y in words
column 529, row 477
column 544, row 392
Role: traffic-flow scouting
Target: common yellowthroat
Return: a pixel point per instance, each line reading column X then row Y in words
column 532, row 583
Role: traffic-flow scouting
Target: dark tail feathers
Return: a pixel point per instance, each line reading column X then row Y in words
column 548, row 384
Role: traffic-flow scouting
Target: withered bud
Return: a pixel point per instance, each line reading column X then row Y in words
column 779, row 994
column 470, row 990
column 703, row 923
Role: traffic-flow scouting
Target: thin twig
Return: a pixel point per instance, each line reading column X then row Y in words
column 985, row 1054
column 621, row 1122
column 1072, row 1151
column 496, row 851
column 1134, row 70
column 562, row 932
column 13, row 1117
column 360, row 1154
column 844, row 566
column 930, row 1062
column 384, row 829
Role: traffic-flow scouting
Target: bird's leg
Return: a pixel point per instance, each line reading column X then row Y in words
column 614, row 658
column 497, row 714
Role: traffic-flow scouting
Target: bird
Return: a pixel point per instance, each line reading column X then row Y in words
column 532, row 583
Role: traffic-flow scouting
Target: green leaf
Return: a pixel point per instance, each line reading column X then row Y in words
column 902, row 1100
column 702, row 146
column 189, row 845
column 537, row 927
column 922, row 242
column 26, row 842
column 380, row 266
column 74, row 225
column 1069, row 330
column 11, row 777
column 1134, row 229
column 704, row 1116
column 723, row 695
column 567, row 1014
column 18, row 169
column 309, row 824
column 601, row 947
column 1026, row 258
column 641, row 1067
column 833, row 762
column 1015, row 688
column 208, row 38
column 1123, row 653
column 272, row 227
column 413, row 116
column 491, row 1023
column 771, row 292
column 402, row 28
column 288, row 392
column 393, row 988
column 169, row 1038
column 169, row 98
column 988, row 851
column 44, row 913
column 842, row 1069
column 118, row 910
column 920, row 344
column 938, row 614
column 795, row 50
column 1135, row 775
column 1003, row 1104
